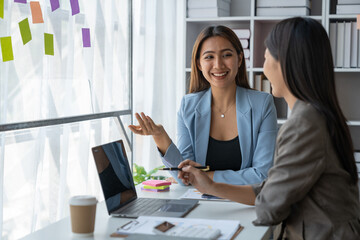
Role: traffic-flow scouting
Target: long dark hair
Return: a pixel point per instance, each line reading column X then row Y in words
column 303, row 49
column 197, row 80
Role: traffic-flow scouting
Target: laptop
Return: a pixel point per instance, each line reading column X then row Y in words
column 119, row 188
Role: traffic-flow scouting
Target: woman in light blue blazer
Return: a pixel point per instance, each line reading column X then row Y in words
column 222, row 123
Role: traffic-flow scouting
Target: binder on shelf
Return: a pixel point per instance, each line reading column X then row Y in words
column 257, row 82
column 340, row 44
column 207, row 12
column 244, row 43
column 242, row 33
column 283, row 11
column 347, row 45
column 266, row 86
column 283, row 3
column 246, row 53
column 223, row 4
column 354, row 45
column 332, row 37
column 348, row 9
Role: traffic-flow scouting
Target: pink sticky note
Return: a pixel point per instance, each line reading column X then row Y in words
column 156, row 183
column 358, row 22
column 36, row 12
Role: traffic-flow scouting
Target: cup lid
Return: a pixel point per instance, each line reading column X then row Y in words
column 82, row 200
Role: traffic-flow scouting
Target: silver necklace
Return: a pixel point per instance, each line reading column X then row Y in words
column 222, row 115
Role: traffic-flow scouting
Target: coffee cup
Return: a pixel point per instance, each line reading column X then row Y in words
column 82, row 213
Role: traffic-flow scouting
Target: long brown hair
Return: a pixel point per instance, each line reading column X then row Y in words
column 303, row 49
column 197, row 80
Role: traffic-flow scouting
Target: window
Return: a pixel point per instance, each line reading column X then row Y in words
column 54, row 108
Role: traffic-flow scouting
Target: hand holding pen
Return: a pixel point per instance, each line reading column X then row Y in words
column 202, row 168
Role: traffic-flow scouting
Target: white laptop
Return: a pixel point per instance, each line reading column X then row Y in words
column 119, row 189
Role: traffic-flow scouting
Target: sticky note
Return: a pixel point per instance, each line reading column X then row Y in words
column 6, row 49
column 151, row 187
column 156, row 183
column 25, row 31
column 86, row 37
column 358, row 21
column 1, row 8
column 54, row 4
column 75, row 9
column 21, row 1
column 36, row 12
column 49, row 44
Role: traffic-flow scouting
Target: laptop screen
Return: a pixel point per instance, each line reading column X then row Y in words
column 115, row 174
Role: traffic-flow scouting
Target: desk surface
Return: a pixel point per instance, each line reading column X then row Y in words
column 105, row 225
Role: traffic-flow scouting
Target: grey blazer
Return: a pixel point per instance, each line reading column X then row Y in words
column 308, row 193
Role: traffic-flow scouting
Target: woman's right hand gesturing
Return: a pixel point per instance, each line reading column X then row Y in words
column 148, row 127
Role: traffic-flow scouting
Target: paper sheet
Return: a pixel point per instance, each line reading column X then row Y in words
column 146, row 224
column 195, row 194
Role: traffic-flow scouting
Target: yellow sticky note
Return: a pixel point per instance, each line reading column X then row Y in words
column 36, row 12
column 358, row 22
column 1, row 8
column 6, row 49
column 49, row 44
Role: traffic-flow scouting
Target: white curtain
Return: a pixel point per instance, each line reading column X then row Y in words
column 158, row 80
column 41, row 168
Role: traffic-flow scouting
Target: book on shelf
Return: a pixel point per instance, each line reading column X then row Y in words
column 348, row 9
column 247, row 62
column 223, row 4
column 242, row 33
column 282, row 11
column 265, row 85
column 246, row 53
column 332, row 38
column 207, row 12
column 283, row 3
column 347, row 45
column 244, row 42
column 257, row 81
column 340, row 44
column 348, row 2
column 354, row 45
column 358, row 48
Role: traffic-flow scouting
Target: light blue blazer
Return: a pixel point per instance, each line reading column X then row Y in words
column 257, row 130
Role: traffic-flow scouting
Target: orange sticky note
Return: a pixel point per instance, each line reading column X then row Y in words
column 358, row 22
column 36, row 12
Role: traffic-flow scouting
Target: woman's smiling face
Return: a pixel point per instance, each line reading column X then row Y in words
column 219, row 62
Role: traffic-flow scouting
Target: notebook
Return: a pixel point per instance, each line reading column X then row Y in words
column 119, row 188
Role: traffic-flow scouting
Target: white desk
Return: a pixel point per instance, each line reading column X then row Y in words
column 105, row 225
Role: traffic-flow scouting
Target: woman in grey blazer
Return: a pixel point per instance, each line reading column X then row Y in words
column 311, row 191
column 221, row 122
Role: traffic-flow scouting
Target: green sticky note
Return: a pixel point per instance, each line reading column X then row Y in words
column 1, row 8
column 49, row 44
column 6, row 49
column 25, row 30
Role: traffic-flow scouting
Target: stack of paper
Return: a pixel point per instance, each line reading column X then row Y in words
column 283, row 7
column 156, row 186
column 208, row 8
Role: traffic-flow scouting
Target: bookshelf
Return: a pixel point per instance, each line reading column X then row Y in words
column 243, row 15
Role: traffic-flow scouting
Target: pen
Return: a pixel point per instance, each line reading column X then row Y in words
column 202, row 168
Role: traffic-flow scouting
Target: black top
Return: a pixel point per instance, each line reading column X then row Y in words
column 224, row 155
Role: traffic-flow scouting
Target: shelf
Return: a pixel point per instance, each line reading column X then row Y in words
column 281, row 120
column 258, row 69
column 219, row 19
column 279, row 18
column 344, row 16
column 353, row 123
column 347, row 70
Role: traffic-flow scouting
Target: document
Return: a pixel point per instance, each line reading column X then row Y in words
column 146, row 225
column 195, row 194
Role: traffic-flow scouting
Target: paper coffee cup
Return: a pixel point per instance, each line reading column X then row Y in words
column 82, row 212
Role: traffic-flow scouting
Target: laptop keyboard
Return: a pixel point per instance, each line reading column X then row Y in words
column 142, row 206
